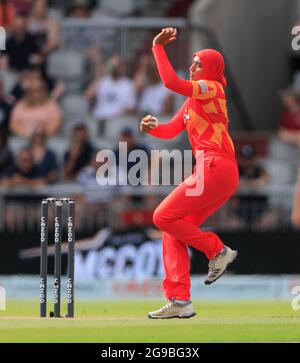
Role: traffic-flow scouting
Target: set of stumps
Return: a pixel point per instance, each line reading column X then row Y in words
column 58, row 204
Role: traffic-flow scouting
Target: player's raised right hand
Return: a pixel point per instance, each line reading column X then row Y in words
column 166, row 36
column 148, row 123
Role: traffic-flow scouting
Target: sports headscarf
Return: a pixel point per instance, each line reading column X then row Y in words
column 213, row 65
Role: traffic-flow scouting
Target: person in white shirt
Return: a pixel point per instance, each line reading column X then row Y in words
column 114, row 93
column 154, row 98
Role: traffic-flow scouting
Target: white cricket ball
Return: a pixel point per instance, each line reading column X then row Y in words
column 154, row 121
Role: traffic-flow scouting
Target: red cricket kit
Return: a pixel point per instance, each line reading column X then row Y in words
column 204, row 116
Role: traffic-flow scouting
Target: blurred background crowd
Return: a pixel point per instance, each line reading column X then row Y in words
column 77, row 76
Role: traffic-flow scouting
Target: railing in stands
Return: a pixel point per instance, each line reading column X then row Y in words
column 256, row 209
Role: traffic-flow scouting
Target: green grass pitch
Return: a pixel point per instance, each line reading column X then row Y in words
column 126, row 321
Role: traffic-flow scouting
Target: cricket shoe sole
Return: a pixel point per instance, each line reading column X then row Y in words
column 234, row 256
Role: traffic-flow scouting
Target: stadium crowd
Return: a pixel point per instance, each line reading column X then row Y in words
column 31, row 106
column 38, row 104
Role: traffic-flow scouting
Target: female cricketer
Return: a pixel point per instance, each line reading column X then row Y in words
column 204, row 116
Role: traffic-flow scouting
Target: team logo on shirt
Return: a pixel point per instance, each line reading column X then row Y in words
column 203, row 86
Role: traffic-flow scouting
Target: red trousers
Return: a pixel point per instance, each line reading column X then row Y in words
column 179, row 215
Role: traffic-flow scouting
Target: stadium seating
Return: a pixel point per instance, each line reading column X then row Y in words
column 67, row 65
column 74, row 106
column 117, row 7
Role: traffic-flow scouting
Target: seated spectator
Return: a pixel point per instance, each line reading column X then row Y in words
column 80, row 153
column 94, row 197
column 6, row 14
column 45, row 29
column 289, row 127
column 21, row 47
column 22, row 6
column 5, row 110
column 35, row 110
column 79, row 9
column 252, row 205
column 25, row 173
column 55, row 89
column 6, row 156
column 44, row 159
column 127, row 136
column 67, row 5
column 114, row 93
column 251, row 173
column 139, row 208
column 91, row 181
column 154, row 97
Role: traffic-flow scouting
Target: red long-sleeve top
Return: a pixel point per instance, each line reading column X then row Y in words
column 203, row 114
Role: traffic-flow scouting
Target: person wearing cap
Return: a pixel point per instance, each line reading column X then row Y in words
column 204, row 116
column 251, row 173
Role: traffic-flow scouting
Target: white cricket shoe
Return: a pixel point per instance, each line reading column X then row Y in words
column 173, row 310
column 217, row 266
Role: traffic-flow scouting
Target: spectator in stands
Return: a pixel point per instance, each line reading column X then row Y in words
column 251, row 173
column 127, row 136
column 6, row 13
column 289, row 127
column 5, row 110
column 154, row 97
column 36, row 109
column 80, row 9
column 66, row 5
column 251, row 206
column 84, row 39
column 6, row 156
column 24, row 173
column 114, row 93
column 97, row 187
column 94, row 197
column 45, row 29
column 80, row 153
column 139, row 208
column 21, row 47
column 55, row 88
column 44, row 159
column 22, row 6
